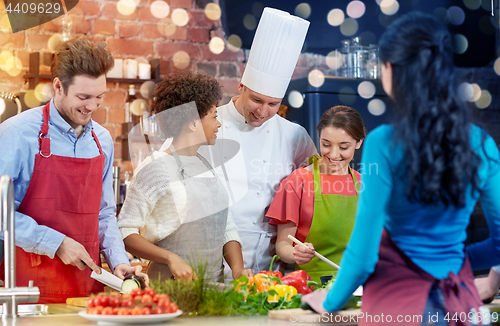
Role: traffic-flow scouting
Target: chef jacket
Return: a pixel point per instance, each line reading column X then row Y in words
column 255, row 161
column 18, row 147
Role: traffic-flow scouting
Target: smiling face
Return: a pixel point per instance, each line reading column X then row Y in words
column 255, row 107
column 211, row 125
column 337, row 150
column 82, row 99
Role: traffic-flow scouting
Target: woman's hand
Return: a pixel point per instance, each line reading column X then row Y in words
column 241, row 272
column 180, row 269
column 303, row 255
column 487, row 287
column 123, row 270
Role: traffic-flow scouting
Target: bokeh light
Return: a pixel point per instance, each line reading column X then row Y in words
column 5, row 56
column 335, row 17
column 316, row 78
column 213, row 11
column 5, row 24
column 366, row 89
column 181, row 59
column 2, row 106
column 147, row 89
column 440, row 13
column 484, row 100
column 216, row 45
column 349, row 27
column 334, row 60
column 376, row 107
column 389, row 7
column 347, row 95
column 465, row 91
column 486, row 4
column 295, row 99
column 355, row 9
column 138, row 106
column 30, row 99
column 43, row 92
column 234, row 43
column 166, row 27
column 303, row 10
column 476, row 93
column 472, row 4
column 249, row 22
column 126, row 7
column 180, row 17
column 160, row 9
column 460, row 43
column 54, row 42
column 257, row 9
column 14, row 66
column 455, row 15
column 496, row 66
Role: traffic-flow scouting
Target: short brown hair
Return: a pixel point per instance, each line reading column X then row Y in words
column 180, row 88
column 343, row 117
column 80, row 57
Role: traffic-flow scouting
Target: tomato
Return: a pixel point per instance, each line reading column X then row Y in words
column 137, row 310
column 173, row 307
column 127, row 303
column 147, row 300
column 115, row 310
column 137, row 300
column 101, row 301
column 146, row 311
column 123, row 311
column 126, row 296
column 90, row 302
column 107, row 311
column 150, row 291
column 136, row 292
column 114, row 301
column 95, row 311
column 156, row 310
column 164, row 304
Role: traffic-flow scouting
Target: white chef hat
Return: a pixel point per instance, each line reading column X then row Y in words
column 275, row 50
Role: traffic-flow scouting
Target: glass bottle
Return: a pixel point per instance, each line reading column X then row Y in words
column 130, row 98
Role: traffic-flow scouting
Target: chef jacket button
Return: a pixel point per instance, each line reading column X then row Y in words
column 226, row 126
column 268, row 131
column 258, row 193
column 254, row 222
column 264, row 161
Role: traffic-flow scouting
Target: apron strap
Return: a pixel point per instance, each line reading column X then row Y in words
column 181, row 166
column 317, row 176
column 44, row 142
column 97, row 141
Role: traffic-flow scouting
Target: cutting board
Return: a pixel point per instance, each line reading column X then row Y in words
column 79, row 302
column 344, row 317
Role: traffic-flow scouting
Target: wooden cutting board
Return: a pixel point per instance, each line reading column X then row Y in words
column 79, row 302
column 344, row 317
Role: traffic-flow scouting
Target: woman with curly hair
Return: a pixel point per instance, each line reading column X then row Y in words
column 176, row 210
column 433, row 165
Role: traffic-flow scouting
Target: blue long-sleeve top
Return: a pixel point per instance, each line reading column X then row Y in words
column 18, row 147
column 431, row 236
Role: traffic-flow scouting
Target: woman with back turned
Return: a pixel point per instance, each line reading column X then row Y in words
column 407, row 247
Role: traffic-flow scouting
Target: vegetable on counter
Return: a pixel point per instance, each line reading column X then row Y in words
column 300, row 280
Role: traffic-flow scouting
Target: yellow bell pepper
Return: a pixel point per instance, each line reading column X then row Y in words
column 283, row 291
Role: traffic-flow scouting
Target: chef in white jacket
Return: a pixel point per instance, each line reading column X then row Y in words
column 260, row 148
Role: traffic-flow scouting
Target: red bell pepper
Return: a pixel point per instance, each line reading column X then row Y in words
column 270, row 272
column 300, row 280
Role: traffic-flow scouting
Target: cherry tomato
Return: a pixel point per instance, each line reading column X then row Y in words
column 136, row 310
column 95, row 311
column 146, row 311
column 126, row 296
column 137, row 300
column 101, row 301
column 90, row 303
column 115, row 310
column 150, row 291
column 159, row 297
column 147, row 300
column 136, row 292
column 123, row 311
column 127, row 303
column 156, row 310
column 107, row 311
column 164, row 304
column 173, row 307
column 114, row 301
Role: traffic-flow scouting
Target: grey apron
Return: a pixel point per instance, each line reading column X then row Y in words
column 200, row 237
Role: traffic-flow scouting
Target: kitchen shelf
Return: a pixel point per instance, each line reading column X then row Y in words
column 33, row 76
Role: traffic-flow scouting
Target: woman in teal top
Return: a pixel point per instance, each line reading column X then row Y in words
column 422, row 177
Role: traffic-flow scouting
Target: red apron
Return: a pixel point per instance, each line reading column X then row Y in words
column 398, row 287
column 65, row 195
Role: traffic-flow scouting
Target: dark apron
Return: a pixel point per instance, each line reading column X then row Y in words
column 398, row 287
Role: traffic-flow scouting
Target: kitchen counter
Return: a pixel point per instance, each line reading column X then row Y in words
column 62, row 314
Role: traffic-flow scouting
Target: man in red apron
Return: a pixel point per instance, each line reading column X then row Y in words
column 60, row 161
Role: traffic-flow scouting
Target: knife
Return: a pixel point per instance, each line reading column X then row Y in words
column 107, row 278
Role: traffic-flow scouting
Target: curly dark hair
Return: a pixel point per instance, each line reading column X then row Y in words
column 343, row 117
column 434, row 124
column 180, row 88
column 80, row 57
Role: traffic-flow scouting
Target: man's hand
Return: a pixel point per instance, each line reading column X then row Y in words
column 123, row 270
column 303, row 255
column 73, row 253
column 180, row 270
